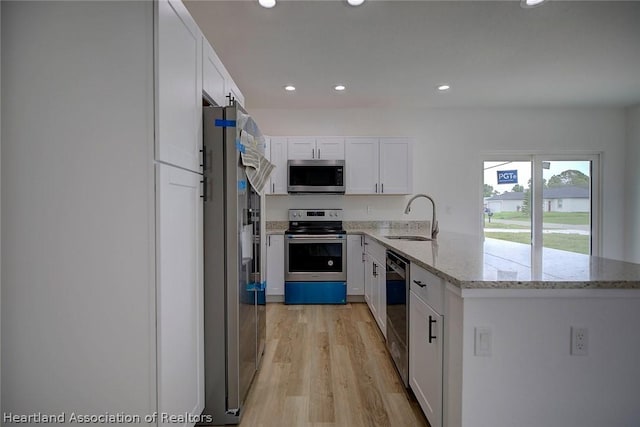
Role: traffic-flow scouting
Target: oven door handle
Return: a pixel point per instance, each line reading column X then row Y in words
column 316, row 236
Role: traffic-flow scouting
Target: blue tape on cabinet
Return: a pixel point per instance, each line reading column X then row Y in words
column 315, row 293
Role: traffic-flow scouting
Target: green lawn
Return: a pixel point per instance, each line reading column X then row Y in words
column 573, row 218
column 566, row 242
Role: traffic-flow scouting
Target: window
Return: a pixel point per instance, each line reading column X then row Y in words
column 547, row 201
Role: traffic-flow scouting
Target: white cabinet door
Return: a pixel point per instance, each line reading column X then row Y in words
column 370, row 284
column 275, row 264
column 179, row 86
column 381, row 303
column 355, row 265
column 302, row 148
column 278, row 156
column 425, row 357
column 213, row 74
column 396, row 166
column 361, row 164
column 179, row 292
column 330, row 148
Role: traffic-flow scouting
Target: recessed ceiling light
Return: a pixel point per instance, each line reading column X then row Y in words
column 339, row 88
column 289, row 88
column 267, row 3
column 531, row 3
column 444, row 88
column 355, row 2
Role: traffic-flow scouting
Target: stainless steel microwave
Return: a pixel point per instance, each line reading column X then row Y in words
column 315, row 176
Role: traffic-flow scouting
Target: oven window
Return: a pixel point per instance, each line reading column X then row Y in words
column 315, row 257
column 317, row 176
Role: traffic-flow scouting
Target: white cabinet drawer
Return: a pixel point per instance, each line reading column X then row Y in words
column 428, row 287
column 375, row 249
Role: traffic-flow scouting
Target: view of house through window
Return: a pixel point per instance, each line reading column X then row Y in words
column 564, row 191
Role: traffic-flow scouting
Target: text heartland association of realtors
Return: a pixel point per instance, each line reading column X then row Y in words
column 105, row 418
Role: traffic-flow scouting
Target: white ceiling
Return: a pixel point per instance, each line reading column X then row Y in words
column 395, row 53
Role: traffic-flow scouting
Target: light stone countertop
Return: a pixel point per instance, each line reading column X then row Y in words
column 471, row 263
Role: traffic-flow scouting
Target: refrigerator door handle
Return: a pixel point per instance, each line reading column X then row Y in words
column 204, row 183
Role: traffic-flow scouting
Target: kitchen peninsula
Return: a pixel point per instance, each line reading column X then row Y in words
column 505, row 333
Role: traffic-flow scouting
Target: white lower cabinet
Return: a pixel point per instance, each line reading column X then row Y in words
column 275, row 264
column 180, row 327
column 375, row 282
column 355, row 265
column 426, row 342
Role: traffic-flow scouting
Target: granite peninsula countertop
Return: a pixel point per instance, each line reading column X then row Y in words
column 473, row 263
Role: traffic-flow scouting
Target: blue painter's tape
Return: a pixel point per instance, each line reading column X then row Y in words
column 315, row 293
column 240, row 147
column 242, row 185
column 225, row 123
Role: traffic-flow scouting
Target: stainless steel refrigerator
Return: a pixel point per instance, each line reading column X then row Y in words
column 234, row 312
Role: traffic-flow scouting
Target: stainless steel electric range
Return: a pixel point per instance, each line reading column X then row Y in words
column 315, row 257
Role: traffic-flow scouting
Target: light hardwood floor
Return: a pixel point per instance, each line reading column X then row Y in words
column 327, row 365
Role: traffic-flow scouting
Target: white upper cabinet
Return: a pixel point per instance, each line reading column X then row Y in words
column 277, row 148
column 213, row 74
column 316, row 148
column 396, row 166
column 179, row 87
column 302, row 148
column 234, row 91
column 330, row 148
column 378, row 165
column 361, row 164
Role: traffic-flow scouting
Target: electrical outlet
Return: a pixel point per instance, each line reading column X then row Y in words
column 579, row 341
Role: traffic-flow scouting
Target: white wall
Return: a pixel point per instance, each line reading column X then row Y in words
column 450, row 145
column 632, row 187
column 531, row 379
column 78, row 317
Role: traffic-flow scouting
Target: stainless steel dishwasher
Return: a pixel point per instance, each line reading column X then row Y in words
column 397, row 288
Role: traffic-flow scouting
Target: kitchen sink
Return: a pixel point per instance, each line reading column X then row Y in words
column 411, row 238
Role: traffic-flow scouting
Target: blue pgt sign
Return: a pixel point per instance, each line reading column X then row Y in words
column 508, row 177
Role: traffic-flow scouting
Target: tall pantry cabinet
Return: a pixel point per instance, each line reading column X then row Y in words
column 102, row 215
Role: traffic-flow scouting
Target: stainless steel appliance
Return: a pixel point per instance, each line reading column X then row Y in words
column 315, row 257
column 233, row 290
column 397, row 284
column 315, row 176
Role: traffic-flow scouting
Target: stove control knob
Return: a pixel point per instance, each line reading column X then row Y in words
column 295, row 214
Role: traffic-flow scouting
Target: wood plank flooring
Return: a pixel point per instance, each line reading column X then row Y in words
column 327, row 365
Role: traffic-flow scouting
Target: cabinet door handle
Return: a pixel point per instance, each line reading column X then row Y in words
column 269, row 240
column 318, row 153
column 431, row 322
column 382, row 187
column 376, row 188
column 419, row 283
column 375, row 270
column 313, row 153
column 273, row 186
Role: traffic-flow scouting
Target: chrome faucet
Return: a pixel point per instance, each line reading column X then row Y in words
column 434, row 224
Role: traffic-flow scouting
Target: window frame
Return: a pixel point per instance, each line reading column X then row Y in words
column 536, row 160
